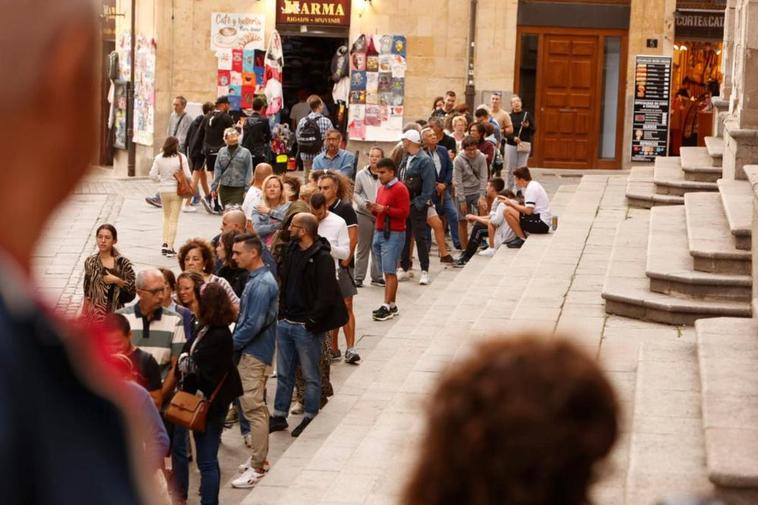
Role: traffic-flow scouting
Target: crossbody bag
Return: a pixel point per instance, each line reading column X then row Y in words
column 523, row 147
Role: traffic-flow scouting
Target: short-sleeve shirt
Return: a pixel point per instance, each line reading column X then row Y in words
column 536, row 198
column 163, row 337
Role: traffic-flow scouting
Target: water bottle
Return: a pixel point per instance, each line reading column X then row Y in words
column 554, row 223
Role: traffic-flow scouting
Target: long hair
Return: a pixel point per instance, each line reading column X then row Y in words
column 520, row 421
column 278, row 179
column 197, row 284
column 344, row 186
column 215, row 307
column 170, row 147
column 205, row 250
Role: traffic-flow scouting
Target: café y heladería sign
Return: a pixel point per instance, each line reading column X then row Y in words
column 305, row 12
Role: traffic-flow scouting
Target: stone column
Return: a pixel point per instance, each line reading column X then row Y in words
column 727, row 51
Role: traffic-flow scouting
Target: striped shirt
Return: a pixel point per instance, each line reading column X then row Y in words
column 163, row 337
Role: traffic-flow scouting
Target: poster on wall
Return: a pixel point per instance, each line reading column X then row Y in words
column 377, row 87
column 144, row 91
column 650, row 119
column 236, row 31
column 237, row 40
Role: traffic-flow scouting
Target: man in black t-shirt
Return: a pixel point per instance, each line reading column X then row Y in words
column 334, row 187
column 146, row 371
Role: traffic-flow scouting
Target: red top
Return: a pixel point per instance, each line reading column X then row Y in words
column 398, row 203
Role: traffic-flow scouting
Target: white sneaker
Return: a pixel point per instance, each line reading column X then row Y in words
column 402, row 275
column 424, row 280
column 489, row 252
column 247, row 480
column 189, row 208
column 244, row 467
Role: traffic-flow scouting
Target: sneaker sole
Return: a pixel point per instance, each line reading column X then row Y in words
column 385, row 318
column 353, row 361
column 207, row 206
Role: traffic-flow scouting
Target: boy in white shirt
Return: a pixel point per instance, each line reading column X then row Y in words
column 533, row 216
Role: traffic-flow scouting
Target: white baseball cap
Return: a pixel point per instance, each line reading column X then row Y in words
column 412, row 136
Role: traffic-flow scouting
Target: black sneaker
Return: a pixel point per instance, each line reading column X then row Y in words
column 358, row 283
column 170, row 253
column 155, row 201
column 336, row 355
column 277, row 423
column 379, row 283
column 165, row 249
column 207, row 204
column 217, row 206
column 460, row 263
column 352, row 357
column 300, row 427
column 383, row 314
column 447, row 259
column 515, row 243
column 394, row 311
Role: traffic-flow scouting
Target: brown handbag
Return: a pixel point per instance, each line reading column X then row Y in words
column 190, row 410
column 183, row 186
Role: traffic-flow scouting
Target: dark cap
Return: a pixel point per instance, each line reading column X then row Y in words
column 222, row 99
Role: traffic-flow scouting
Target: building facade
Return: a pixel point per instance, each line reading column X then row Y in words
column 571, row 62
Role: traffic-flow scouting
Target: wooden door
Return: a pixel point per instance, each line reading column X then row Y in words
column 568, row 97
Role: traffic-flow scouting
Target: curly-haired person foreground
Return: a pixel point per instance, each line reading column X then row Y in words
column 519, row 422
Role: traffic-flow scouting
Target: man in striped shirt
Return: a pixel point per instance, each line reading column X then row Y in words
column 156, row 329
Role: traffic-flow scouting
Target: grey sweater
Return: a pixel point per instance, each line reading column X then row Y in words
column 469, row 176
column 366, row 188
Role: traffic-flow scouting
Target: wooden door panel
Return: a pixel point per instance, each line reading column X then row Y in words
column 568, row 97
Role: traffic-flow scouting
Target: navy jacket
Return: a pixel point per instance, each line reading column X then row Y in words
column 420, row 166
column 446, row 172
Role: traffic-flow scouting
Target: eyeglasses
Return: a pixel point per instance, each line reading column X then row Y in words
column 153, row 291
column 295, row 226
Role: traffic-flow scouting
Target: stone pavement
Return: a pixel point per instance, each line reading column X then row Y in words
column 358, row 448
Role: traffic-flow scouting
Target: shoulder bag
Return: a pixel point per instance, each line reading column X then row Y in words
column 523, row 147
column 183, row 186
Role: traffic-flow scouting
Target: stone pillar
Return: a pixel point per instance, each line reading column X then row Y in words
column 727, row 51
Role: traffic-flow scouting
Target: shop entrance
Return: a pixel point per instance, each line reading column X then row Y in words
column 572, row 80
column 307, row 71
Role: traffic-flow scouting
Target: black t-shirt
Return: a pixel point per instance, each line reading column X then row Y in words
column 448, row 143
column 346, row 212
column 146, row 369
column 295, row 306
column 214, row 126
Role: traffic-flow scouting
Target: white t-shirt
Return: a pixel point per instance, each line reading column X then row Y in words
column 334, row 229
column 536, row 198
column 252, row 199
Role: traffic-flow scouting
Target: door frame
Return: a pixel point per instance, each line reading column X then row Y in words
column 541, row 31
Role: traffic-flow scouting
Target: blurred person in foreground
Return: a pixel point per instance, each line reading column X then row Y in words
column 520, row 420
column 52, row 371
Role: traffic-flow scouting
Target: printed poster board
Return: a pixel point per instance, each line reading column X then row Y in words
column 650, row 119
column 377, row 87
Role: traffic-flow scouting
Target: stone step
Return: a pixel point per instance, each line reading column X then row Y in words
column 698, row 165
column 669, row 179
column 728, row 356
column 670, row 265
column 666, row 448
column 715, row 148
column 626, row 289
column 640, row 190
column 710, row 239
column 737, row 200
column 370, row 443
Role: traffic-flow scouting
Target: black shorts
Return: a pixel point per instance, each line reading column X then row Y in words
column 197, row 163
column 210, row 162
column 531, row 223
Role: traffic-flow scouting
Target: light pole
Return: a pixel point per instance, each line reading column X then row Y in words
column 131, row 147
column 470, row 88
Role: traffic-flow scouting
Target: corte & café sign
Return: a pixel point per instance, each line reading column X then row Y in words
column 306, row 12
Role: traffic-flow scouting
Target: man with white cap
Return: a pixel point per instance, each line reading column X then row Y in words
column 419, row 175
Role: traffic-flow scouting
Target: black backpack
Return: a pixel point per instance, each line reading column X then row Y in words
column 254, row 138
column 309, row 140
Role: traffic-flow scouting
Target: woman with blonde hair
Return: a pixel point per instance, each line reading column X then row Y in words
column 459, row 124
column 165, row 167
column 268, row 215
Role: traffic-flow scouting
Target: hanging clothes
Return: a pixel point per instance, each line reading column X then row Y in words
column 272, row 77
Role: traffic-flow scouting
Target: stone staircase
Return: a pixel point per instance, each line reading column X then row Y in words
column 359, row 449
column 684, row 262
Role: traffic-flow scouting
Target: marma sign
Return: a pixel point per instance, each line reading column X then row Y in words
column 335, row 12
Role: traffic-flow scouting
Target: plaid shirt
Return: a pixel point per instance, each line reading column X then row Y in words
column 324, row 123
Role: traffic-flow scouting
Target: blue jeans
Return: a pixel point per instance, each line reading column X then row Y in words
column 448, row 210
column 207, row 459
column 387, row 251
column 296, row 345
column 179, row 459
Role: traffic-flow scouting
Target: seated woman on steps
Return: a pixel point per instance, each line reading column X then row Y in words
column 521, row 420
column 533, row 216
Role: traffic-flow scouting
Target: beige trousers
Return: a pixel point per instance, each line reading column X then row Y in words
column 172, row 206
column 253, row 375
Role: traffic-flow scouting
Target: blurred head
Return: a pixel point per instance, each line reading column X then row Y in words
column 496, row 100
column 215, row 307
column 151, row 289
column 222, row 103
column 439, row 102
column 482, row 114
column 170, row 147
column 233, row 220
column 315, row 103
column 247, row 251
column 522, row 176
column 119, row 333
column 318, row 206
column 170, row 279
column 386, row 170
column 429, row 138
column 107, row 237
column 303, row 225
column 333, row 141
column 224, row 247
column 449, row 101
column 196, row 255
column 258, row 105
column 516, row 103
column 495, row 186
column 374, row 155
column 231, row 137
column 437, row 126
column 470, row 147
column 291, row 187
column 188, row 286
column 180, row 103
column 521, row 420
column 262, row 170
column 60, row 44
column 460, row 124
column 478, row 131
column 273, row 191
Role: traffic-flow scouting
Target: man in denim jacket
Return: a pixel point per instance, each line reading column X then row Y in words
column 233, row 170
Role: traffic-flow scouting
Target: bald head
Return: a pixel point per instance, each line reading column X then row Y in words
column 233, row 220
column 262, row 170
column 147, row 277
column 309, row 223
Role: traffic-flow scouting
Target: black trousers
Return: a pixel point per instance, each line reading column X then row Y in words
column 478, row 233
column 416, row 226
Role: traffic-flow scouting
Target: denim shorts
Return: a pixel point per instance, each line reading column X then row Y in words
column 389, row 250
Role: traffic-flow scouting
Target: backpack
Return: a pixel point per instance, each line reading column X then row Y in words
column 254, row 138
column 309, row 139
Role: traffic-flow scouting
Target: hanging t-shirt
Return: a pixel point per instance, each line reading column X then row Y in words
column 535, row 197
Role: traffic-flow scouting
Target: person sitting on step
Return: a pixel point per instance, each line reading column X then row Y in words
column 533, row 216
